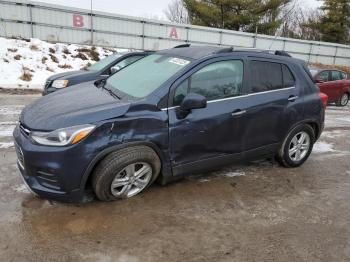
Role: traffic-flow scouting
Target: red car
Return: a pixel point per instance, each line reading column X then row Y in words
column 334, row 83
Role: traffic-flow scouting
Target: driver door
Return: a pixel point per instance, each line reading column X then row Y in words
column 212, row 134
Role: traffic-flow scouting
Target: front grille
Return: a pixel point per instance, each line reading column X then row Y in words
column 47, row 180
column 20, row 156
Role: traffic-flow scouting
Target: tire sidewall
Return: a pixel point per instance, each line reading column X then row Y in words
column 341, row 99
column 106, row 177
column 285, row 148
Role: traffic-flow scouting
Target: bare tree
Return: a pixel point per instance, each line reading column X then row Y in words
column 299, row 22
column 176, row 12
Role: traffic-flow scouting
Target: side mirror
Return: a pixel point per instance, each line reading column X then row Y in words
column 191, row 101
column 319, row 81
column 115, row 69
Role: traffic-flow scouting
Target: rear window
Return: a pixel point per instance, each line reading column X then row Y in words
column 309, row 78
column 265, row 76
column 288, row 78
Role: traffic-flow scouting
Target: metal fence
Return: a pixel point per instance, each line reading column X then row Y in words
column 71, row 25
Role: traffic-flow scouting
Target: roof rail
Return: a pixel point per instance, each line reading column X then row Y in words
column 183, row 45
column 224, row 50
column 282, row 53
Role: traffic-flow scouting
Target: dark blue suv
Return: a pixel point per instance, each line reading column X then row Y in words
column 172, row 113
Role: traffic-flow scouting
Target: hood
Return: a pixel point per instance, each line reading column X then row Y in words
column 83, row 104
column 70, row 74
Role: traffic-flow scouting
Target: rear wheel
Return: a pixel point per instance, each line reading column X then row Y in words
column 343, row 100
column 125, row 173
column 297, row 146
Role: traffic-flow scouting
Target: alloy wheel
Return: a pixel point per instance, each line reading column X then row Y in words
column 299, row 146
column 344, row 99
column 131, row 180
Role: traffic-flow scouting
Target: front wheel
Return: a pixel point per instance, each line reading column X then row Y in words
column 125, row 173
column 297, row 146
column 343, row 100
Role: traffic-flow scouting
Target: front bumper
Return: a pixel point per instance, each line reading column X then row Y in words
column 52, row 172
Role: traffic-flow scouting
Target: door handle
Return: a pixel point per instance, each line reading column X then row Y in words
column 292, row 98
column 238, row 112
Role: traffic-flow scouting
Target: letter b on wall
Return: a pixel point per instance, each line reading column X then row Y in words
column 78, row 20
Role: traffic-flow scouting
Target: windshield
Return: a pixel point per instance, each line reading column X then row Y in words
column 146, row 75
column 103, row 62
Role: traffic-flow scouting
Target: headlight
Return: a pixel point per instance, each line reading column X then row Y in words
column 62, row 137
column 60, row 83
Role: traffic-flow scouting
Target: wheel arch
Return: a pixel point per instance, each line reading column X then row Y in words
column 86, row 179
column 312, row 123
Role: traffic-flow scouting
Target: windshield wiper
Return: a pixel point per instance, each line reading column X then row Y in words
column 102, row 84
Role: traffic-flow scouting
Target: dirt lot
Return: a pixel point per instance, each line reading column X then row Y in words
column 256, row 212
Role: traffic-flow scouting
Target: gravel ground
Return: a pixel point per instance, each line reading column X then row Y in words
column 254, row 212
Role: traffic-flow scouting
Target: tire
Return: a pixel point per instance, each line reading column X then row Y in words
column 285, row 156
column 343, row 100
column 117, row 168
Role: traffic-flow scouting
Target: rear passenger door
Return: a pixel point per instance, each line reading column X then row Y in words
column 272, row 105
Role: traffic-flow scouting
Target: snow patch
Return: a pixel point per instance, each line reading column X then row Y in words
column 21, row 188
column 6, row 130
column 233, row 174
column 38, row 57
column 4, row 145
column 323, row 147
column 11, row 109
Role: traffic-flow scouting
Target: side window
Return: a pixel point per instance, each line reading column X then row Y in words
column 215, row 81
column 336, row 75
column 324, row 76
column 288, row 78
column 265, row 76
column 344, row 76
column 180, row 92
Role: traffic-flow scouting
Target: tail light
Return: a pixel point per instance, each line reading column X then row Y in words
column 324, row 99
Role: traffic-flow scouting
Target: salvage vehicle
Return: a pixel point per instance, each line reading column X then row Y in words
column 334, row 83
column 175, row 112
column 99, row 70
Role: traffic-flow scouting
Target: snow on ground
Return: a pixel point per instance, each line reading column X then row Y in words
column 322, row 147
column 42, row 59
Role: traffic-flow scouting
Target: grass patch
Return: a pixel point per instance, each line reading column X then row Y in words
column 65, row 66
column 43, row 59
column 66, row 51
column 26, row 75
column 34, row 47
column 94, row 54
column 17, row 57
column 81, row 56
column 13, row 50
column 49, row 69
column 54, row 58
column 85, row 67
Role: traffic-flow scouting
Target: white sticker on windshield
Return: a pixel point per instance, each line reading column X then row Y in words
column 179, row 61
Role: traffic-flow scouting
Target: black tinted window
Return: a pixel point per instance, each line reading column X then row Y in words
column 265, row 76
column 215, row 81
column 324, row 76
column 288, row 78
column 336, row 75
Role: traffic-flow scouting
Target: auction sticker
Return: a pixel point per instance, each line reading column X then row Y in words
column 179, row 61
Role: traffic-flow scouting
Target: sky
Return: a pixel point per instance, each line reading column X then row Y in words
column 141, row 8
